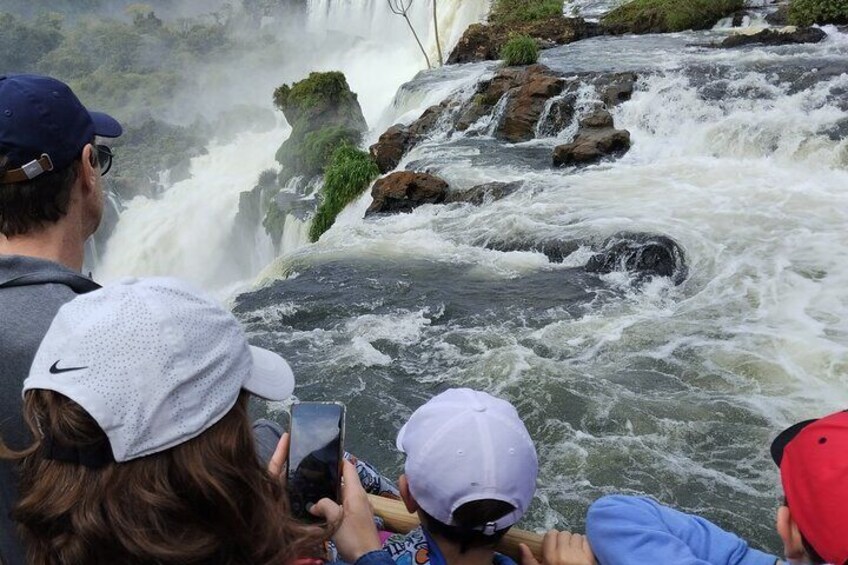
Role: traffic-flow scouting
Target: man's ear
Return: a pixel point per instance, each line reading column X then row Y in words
column 793, row 545
column 88, row 166
column 405, row 495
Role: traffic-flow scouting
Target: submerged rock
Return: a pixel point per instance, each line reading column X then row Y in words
column 644, row 255
column 404, row 191
column 484, row 193
column 785, row 36
column 597, row 138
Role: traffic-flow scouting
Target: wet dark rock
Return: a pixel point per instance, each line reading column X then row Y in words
column 790, row 36
column 596, row 139
column 404, row 191
column 526, row 104
column 644, row 255
column 739, row 18
column 484, row 193
column 556, row 250
column 483, row 42
column 391, row 147
column 616, row 88
column 779, row 17
column 476, row 44
column 398, row 139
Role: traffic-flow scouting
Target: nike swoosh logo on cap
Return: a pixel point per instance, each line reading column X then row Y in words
column 55, row 370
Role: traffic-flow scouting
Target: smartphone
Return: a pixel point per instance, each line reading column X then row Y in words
column 316, row 454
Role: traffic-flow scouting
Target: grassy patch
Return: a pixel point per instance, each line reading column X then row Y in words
column 514, row 11
column 346, row 177
column 313, row 152
column 520, row 50
column 662, row 16
column 809, row 12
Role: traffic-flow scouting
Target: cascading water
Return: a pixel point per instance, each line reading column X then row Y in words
column 185, row 232
column 675, row 391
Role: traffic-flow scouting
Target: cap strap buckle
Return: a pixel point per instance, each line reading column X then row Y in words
column 28, row 171
column 490, row 528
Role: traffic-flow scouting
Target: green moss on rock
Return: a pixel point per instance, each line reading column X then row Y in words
column 346, row 177
column 323, row 113
column 809, row 12
column 514, row 11
column 663, row 16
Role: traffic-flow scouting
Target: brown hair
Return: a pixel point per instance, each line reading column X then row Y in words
column 28, row 206
column 208, row 500
column 468, row 517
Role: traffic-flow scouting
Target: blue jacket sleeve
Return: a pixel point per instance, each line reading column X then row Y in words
column 377, row 557
column 629, row 530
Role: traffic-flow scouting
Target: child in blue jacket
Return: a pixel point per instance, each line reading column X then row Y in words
column 813, row 521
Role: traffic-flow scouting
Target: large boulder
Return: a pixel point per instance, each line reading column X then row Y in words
column 596, row 139
column 527, row 102
column 404, row 191
column 643, row 255
column 784, row 36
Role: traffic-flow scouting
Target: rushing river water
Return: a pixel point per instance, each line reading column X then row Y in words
column 674, row 391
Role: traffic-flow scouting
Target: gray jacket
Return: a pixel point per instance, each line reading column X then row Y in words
column 31, row 292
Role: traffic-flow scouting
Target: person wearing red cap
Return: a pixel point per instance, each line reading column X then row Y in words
column 813, row 461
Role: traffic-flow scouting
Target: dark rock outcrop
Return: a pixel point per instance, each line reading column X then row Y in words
column 404, row 191
column 483, row 193
column 391, row 147
column 527, row 102
column 597, row 138
column 483, row 42
column 779, row 17
column 789, row 36
column 398, row 139
column 644, row 255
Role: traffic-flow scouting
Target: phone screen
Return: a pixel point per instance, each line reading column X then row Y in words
column 315, row 454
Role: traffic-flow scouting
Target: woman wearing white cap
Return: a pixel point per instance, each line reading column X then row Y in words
column 143, row 450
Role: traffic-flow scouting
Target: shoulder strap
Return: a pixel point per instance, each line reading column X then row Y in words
column 77, row 283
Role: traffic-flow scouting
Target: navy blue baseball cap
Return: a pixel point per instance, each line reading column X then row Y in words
column 44, row 126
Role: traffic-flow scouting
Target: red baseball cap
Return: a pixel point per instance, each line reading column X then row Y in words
column 813, row 461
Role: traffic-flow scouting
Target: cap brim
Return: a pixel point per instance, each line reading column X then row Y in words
column 105, row 125
column 399, row 440
column 271, row 377
column 787, row 435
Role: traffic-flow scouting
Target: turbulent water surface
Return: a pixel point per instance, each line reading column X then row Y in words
column 674, row 391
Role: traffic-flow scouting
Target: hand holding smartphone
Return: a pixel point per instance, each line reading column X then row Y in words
column 316, row 453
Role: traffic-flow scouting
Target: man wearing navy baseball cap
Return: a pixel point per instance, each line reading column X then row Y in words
column 51, row 202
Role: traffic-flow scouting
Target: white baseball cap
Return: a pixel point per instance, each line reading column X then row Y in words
column 154, row 362
column 464, row 445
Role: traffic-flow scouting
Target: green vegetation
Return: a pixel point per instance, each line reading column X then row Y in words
column 520, row 50
column 662, row 16
column 809, row 12
column 324, row 114
column 516, row 11
column 312, row 154
column 348, row 175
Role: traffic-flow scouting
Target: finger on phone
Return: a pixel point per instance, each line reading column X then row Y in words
column 281, row 454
